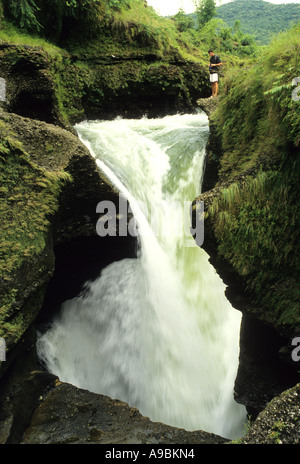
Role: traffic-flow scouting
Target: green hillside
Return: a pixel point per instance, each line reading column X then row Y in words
column 259, row 18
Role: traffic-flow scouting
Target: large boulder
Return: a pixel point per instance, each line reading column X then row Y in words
column 279, row 422
column 71, row 415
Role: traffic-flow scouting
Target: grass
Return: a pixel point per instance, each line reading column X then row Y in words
column 12, row 35
column 257, row 118
column 153, row 30
column 135, row 30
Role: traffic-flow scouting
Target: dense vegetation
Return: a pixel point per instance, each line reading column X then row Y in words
column 256, row 219
column 112, row 26
column 106, row 25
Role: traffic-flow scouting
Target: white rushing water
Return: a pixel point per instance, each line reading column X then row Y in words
column 156, row 332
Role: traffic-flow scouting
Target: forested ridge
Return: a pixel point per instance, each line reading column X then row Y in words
column 259, row 18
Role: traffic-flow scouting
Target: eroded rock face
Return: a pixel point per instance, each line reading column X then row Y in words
column 213, row 149
column 57, row 89
column 44, row 148
column 261, row 374
column 70, row 415
column 50, row 149
column 30, row 89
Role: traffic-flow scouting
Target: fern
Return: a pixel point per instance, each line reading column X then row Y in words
column 24, row 13
column 278, row 89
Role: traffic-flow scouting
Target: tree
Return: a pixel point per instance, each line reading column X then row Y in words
column 183, row 22
column 205, row 10
column 237, row 26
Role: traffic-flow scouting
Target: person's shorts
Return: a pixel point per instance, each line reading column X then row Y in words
column 214, row 77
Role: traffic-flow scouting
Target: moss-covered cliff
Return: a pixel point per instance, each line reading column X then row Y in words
column 254, row 214
column 97, row 60
column 50, row 187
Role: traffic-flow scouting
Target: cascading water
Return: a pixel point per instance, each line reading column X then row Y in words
column 156, row 332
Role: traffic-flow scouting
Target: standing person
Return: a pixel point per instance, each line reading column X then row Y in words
column 215, row 62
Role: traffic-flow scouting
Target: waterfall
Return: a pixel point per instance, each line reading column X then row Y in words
column 157, row 331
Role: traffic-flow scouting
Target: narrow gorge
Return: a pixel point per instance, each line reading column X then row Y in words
column 154, row 336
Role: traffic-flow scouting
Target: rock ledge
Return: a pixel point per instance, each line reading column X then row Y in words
column 69, row 415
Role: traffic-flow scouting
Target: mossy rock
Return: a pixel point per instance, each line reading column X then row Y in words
column 50, row 184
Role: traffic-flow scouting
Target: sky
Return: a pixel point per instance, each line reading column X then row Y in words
column 171, row 7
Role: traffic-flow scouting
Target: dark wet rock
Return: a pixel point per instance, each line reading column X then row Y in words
column 21, row 387
column 262, row 374
column 213, row 148
column 69, row 415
